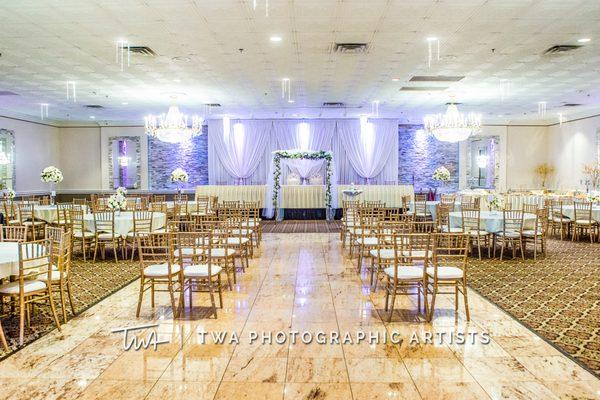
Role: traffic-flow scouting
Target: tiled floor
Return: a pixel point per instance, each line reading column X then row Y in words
column 296, row 282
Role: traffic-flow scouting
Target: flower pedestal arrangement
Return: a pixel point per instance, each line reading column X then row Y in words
column 52, row 175
column 440, row 175
column 117, row 202
column 179, row 176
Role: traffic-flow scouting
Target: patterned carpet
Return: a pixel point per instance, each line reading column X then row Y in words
column 558, row 296
column 91, row 282
column 301, row 226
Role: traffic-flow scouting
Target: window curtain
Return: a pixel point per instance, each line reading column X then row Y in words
column 236, row 153
column 370, row 150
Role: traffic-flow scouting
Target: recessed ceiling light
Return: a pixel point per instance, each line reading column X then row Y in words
column 395, row 79
column 584, row 40
column 431, row 39
column 124, row 103
column 92, row 117
column 275, row 38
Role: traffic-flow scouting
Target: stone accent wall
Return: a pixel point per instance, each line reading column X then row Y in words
column 419, row 154
column 165, row 157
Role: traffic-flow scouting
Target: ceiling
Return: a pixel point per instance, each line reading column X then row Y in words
column 220, row 52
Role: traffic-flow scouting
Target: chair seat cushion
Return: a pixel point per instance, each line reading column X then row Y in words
column 237, row 240
column 200, row 270
column 160, row 270
column 509, row 234
column 405, row 272
column 564, row 220
column 31, row 223
column 584, row 222
column 54, row 278
column 444, row 273
column 531, row 233
column 360, row 231
column 388, row 254
column 14, row 222
column 80, row 234
column 28, row 287
column 451, row 230
column 367, row 241
column 160, row 230
column 107, row 236
column 475, row 232
column 416, row 254
column 241, row 231
column 219, row 252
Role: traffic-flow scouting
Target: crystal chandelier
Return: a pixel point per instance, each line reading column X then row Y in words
column 452, row 126
column 172, row 127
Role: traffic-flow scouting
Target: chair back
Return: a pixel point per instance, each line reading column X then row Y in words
column 195, row 248
column 471, row 219
column 13, row 233
column 512, row 221
column 155, row 248
column 442, row 215
column 530, row 208
column 142, row 222
column 35, row 258
column 450, row 250
column 448, row 199
column 583, row 210
column 104, row 222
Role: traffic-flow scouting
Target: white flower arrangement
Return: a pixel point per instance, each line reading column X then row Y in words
column 441, row 174
column 121, row 190
column 593, row 198
column 179, row 175
column 9, row 193
column 496, row 202
column 51, row 174
column 117, row 202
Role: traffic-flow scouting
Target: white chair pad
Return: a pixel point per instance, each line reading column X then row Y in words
column 451, row 230
column 54, row 278
column 475, row 232
column 384, row 253
column 509, row 234
column 564, row 219
column 237, row 240
column 405, row 272
column 160, row 270
column 531, row 233
column 220, row 252
column 200, row 270
column 360, row 231
column 446, row 273
column 368, row 241
column 28, row 287
column 584, row 222
column 107, row 236
column 241, row 231
column 160, row 230
column 31, row 223
column 416, row 254
column 79, row 234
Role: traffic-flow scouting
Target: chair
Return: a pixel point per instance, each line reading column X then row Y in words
column 529, row 208
column 3, row 339
column 411, row 255
column 142, row 225
column 557, row 219
column 349, row 217
column 61, row 269
column 420, row 210
column 104, row 224
column 449, row 269
column 512, row 232
column 13, row 233
column 253, row 210
column 27, row 217
column 537, row 235
column 10, row 213
column 60, row 214
column 159, row 198
column 35, row 259
column 442, row 216
column 471, row 225
column 80, row 201
column 449, row 200
column 583, row 222
column 195, row 257
column 470, row 202
column 157, row 267
column 238, row 231
column 387, row 250
column 79, row 230
column 364, row 234
column 201, row 207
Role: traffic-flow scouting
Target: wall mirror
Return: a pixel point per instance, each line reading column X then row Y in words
column 483, row 162
column 7, row 159
column 124, row 162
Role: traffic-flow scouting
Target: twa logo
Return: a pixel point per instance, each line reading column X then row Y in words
column 136, row 343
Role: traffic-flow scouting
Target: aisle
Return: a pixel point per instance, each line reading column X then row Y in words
column 297, row 282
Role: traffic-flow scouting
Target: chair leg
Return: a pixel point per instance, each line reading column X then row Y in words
column 212, row 296
column 220, row 287
column 53, row 308
column 3, row 340
column 62, row 300
column 21, row 320
column 141, row 297
column 392, row 305
column 466, row 299
column 70, row 297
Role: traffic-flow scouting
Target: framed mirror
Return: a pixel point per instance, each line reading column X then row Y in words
column 124, row 162
column 7, row 159
column 483, row 162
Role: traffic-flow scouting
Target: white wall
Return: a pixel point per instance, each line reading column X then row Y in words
column 36, row 147
column 571, row 145
column 526, row 148
column 80, row 158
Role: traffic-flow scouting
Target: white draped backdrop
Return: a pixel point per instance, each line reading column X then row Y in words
column 363, row 151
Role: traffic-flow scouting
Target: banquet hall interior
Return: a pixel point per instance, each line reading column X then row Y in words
column 300, row 199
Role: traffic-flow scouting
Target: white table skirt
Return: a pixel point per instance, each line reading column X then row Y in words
column 124, row 222
column 9, row 259
column 302, row 196
column 390, row 194
column 50, row 213
column 491, row 221
column 234, row 193
column 569, row 211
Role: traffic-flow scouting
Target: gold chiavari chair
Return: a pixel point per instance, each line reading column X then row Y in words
column 61, row 272
column 144, row 202
column 386, row 252
column 420, row 197
column 142, row 225
column 420, row 210
column 442, row 216
column 411, row 257
column 199, row 272
column 201, row 207
column 159, row 206
column 181, row 209
column 449, row 200
column 406, row 200
column 512, row 232
column 80, row 201
column 27, row 217
column 471, row 225
column 79, row 230
column 449, row 269
column 349, row 218
column 365, row 233
column 104, row 223
column 222, row 253
column 470, row 202
column 557, row 219
column 13, row 233
column 44, row 201
column 35, row 259
column 583, row 222
column 159, row 198
column 61, row 212
column 529, row 208
column 181, row 226
column 10, row 213
column 230, row 204
column 181, row 197
column 3, row 339
column 232, row 221
column 253, row 208
column 157, row 267
column 537, row 235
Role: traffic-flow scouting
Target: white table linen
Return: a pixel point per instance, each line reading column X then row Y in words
column 124, row 222
column 9, row 259
column 50, row 213
column 569, row 211
column 232, row 193
column 491, row 221
column 302, row 196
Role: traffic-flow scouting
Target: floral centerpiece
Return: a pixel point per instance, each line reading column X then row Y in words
column 179, row 176
column 594, row 198
column 8, row 193
column 51, row 175
column 496, row 202
column 122, row 191
column 544, row 171
column 117, row 202
column 441, row 174
column 592, row 172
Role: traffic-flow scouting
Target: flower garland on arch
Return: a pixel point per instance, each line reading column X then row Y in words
column 305, row 155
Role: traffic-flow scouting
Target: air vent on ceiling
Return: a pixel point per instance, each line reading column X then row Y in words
column 213, row 105
column 350, row 48
column 334, row 104
column 142, row 51
column 436, row 78
column 97, row 106
column 7, row 93
column 561, row 48
column 423, row 88
column 571, row 105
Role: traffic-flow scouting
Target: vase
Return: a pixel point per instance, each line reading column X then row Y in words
column 52, row 194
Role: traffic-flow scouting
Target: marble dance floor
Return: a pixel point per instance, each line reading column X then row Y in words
column 295, row 282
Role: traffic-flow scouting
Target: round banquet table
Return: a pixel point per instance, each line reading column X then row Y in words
column 491, row 221
column 431, row 207
column 50, row 213
column 9, row 259
column 124, row 222
column 569, row 211
column 191, row 205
